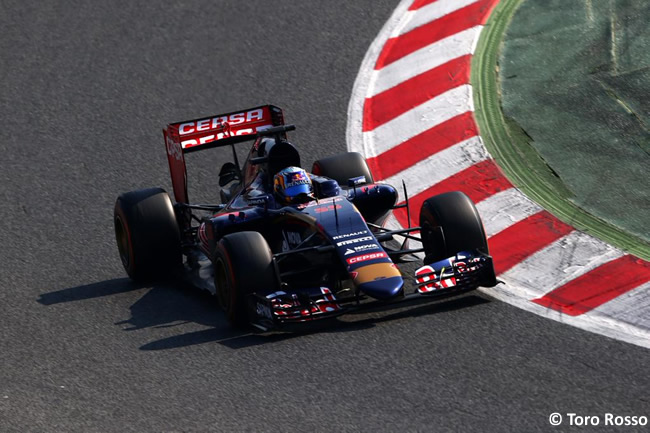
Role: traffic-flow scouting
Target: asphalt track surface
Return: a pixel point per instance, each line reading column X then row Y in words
column 84, row 91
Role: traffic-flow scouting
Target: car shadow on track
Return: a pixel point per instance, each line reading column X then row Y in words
column 161, row 305
column 395, row 312
column 172, row 305
column 89, row 291
column 234, row 339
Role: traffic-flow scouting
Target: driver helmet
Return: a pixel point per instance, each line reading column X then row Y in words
column 290, row 183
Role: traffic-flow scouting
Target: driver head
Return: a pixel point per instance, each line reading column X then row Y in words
column 291, row 184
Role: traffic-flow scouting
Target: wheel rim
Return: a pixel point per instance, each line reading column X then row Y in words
column 123, row 242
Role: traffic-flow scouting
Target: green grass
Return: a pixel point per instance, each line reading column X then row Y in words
column 510, row 146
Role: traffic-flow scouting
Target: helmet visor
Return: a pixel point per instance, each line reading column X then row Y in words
column 295, row 190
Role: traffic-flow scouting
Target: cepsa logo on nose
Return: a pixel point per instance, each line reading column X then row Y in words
column 216, row 122
column 365, row 257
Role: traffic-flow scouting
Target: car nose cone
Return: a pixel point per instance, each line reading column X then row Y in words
column 384, row 289
column 379, row 280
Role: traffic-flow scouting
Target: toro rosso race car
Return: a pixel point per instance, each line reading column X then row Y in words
column 286, row 246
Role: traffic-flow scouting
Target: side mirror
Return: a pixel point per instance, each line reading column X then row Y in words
column 356, row 181
column 228, row 173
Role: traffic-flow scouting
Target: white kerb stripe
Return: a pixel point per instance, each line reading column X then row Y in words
column 439, row 167
column 504, row 209
column 619, row 318
column 632, row 307
column 562, row 261
column 423, row 60
column 417, row 120
column 432, row 12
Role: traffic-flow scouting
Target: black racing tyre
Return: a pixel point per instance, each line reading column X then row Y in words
column 243, row 264
column 450, row 224
column 342, row 167
column 147, row 234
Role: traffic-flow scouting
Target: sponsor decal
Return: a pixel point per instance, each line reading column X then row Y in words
column 218, row 122
column 297, row 178
column 173, row 149
column 360, row 248
column 348, row 235
column 258, row 200
column 428, row 274
column 213, row 137
column 366, row 247
column 263, row 310
column 290, row 240
column 366, row 257
column 354, row 241
column 293, row 238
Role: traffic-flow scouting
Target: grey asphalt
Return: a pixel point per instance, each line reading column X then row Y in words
column 85, row 88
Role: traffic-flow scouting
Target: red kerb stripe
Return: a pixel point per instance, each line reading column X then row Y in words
column 525, row 238
column 397, row 100
column 598, row 286
column 423, row 145
column 417, row 4
column 479, row 182
column 450, row 24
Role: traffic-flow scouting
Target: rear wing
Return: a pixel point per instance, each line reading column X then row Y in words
column 214, row 131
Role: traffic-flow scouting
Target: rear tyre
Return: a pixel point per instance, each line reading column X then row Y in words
column 147, row 234
column 450, row 224
column 342, row 167
column 243, row 264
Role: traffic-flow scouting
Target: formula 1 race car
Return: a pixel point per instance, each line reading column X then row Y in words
column 286, row 246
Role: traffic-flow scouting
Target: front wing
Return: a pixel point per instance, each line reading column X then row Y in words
column 282, row 308
column 464, row 272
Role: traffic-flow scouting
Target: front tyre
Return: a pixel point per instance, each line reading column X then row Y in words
column 147, row 234
column 450, row 224
column 243, row 264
